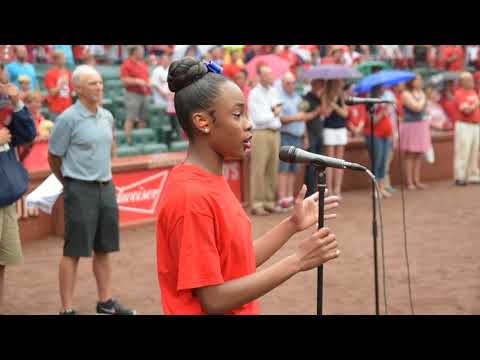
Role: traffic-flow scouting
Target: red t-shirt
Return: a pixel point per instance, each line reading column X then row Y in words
column 292, row 59
column 450, row 108
column 62, row 100
column 230, row 70
column 204, row 238
column 357, row 114
column 458, row 64
column 137, row 70
column 79, row 51
column 37, row 118
column 383, row 128
column 469, row 97
column 5, row 115
column 328, row 60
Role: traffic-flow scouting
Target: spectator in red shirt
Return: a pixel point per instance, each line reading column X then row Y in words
column 286, row 53
column 336, row 57
column 447, row 100
column 241, row 79
column 33, row 101
column 79, row 53
column 58, row 82
column 454, row 58
column 206, row 259
column 436, row 57
column 134, row 74
column 357, row 115
column 467, row 132
column 476, row 76
column 231, row 69
column 381, row 138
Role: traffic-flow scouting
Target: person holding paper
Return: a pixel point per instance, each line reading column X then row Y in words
column 16, row 128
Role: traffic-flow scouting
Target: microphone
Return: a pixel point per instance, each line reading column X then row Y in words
column 291, row 154
column 358, row 100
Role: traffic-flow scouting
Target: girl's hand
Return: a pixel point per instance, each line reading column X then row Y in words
column 316, row 250
column 305, row 211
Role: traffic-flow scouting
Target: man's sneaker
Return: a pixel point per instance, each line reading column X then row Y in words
column 460, row 183
column 68, row 312
column 113, row 307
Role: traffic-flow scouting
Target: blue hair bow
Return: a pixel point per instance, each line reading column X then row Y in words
column 213, row 67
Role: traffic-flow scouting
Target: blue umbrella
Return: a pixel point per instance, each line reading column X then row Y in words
column 331, row 71
column 384, row 77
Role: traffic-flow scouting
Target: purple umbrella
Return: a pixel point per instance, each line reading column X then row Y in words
column 331, row 71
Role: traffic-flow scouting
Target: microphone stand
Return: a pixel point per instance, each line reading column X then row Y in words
column 321, row 186
column 371, row 111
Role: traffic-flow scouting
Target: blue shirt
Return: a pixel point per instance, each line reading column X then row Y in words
column 16, row 69
column 67, row 50
column 290, row 107
column 84, row 142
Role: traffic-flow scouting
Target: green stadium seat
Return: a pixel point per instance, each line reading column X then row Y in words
column 108, row 72
column 127, row 150
column 108, row 104
column 41, row 69
column 119, row 115
column 162, row 136
column 44, row 111
column 120, row 138
column 154, row 148
column 178, row 146
column 144, row 136
column 157, row 117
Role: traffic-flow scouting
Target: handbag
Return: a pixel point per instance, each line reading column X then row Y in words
column 13, row 178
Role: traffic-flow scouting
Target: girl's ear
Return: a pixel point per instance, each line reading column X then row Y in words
column 201, row 122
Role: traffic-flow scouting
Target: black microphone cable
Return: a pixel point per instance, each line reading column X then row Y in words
column 378, row 202
column 402, row 187
column 402, row 191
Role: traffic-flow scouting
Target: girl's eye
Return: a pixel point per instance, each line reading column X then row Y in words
column 237, row 115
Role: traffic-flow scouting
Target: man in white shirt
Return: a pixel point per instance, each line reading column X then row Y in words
column 159, row 81
column 264, row 108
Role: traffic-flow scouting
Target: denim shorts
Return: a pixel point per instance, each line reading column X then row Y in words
column 289, row 140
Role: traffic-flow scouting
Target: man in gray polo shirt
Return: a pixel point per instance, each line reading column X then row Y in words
column 80, row 151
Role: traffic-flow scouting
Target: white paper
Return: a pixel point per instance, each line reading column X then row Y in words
column 430, row 156
column 45, row 196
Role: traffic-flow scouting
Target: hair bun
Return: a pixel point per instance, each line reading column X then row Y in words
column 184, row 72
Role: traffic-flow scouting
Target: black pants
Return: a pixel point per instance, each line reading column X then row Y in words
column 316, row 146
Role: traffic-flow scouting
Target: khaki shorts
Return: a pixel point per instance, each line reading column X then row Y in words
column 136, row 106
column 10, row 247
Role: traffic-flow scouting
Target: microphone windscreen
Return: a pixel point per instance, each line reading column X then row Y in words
column 287, row 154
